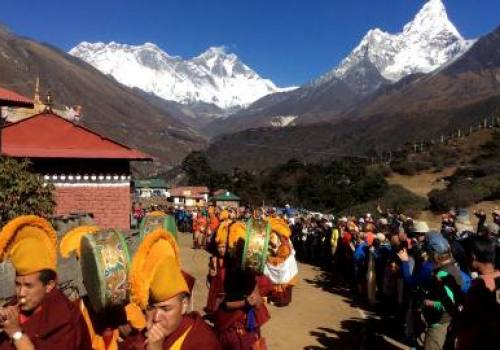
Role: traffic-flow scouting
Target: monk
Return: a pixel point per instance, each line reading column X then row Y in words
column 159, row 287
column 217, row 269
column 200, row 227
column 40, row 317
column 108, row 326
column 242, row 313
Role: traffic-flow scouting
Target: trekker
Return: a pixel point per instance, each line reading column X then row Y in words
column 479, row 323
column 444, row 297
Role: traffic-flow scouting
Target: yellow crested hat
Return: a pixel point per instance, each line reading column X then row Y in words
column 156, row 213
column 224, row 215
column 237, row 232
column 135, row 316
column 279, row 226
column 30, row 242
column 155, row 272
column 71, row 241
column 222, row 233
column 211, row 210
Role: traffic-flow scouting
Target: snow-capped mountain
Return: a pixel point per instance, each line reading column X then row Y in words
column 213, row 77
column 426, row 43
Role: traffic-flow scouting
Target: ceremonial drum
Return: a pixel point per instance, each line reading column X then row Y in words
column 256, row 246
column 7, row 284
column 151, row 222
column 105, row 262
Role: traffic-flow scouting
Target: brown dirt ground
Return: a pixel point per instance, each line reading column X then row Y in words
column 322, row 314
column 423, row 183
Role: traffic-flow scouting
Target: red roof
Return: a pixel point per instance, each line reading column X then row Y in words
column 48, row 135
column 189, row 191
column 10, row 98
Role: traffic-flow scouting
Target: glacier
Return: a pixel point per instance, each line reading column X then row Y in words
column 215, row 76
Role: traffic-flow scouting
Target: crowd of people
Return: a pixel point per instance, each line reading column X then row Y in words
column 442, row 286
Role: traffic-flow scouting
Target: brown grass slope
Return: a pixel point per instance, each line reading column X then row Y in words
column 418, row 108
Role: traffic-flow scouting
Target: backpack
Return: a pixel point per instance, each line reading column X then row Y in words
column 450, row 291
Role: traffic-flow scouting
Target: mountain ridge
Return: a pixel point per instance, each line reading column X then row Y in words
column 109, row 107
column 214, row 76
column 425, row 44
column 418, row 107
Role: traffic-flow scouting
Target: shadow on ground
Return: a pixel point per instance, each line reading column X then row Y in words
column 375, row 329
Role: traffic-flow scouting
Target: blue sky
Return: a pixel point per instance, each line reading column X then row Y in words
column 287, row 41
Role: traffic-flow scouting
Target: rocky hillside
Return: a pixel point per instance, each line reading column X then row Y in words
column 108, row 106
column 419, row 107
column 381, row 59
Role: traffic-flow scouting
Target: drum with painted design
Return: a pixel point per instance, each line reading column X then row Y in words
column 159, row 219
column 255, row 250
column 105, row 262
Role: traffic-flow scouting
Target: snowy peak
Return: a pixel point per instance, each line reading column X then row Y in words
column 426, row 43
column 214, row 51
column 214, row 76
column 218, row 62
column 432, row 18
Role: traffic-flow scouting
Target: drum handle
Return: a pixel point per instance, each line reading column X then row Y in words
column 191, row 306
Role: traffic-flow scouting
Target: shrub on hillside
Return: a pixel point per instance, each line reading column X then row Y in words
column 383, row 169
column 410, row 167
column 465, row 192
column 22, row 192
column 397, row 198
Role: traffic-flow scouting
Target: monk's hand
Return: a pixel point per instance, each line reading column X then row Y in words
column 125, row 330
column 254, row 299
column 155, row 336
column 10, row 318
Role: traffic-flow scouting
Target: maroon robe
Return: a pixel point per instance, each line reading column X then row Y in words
column 216, row 291
column 200, row 336
column 57, row 325
column 232, row 325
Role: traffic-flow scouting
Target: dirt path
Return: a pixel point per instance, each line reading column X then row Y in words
column 321, row 315
column 423, row 183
